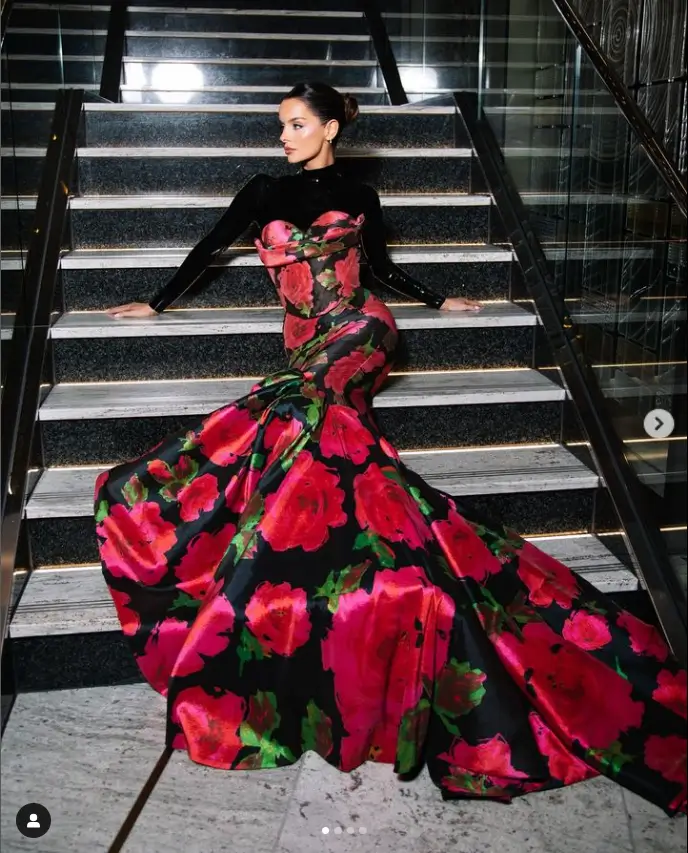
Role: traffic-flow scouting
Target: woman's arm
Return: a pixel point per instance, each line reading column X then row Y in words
column 234, row 221
column 243, row 210
column 374, row 245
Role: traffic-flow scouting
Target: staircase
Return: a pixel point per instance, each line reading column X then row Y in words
column 475, row 405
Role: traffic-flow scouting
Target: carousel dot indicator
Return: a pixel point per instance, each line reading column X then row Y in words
column 326, row 830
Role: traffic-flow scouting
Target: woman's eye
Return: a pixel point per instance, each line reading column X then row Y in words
column 298, row 126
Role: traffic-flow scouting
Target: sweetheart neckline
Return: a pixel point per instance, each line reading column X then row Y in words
column 313, row 223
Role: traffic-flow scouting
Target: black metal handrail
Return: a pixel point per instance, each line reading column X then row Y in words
column 5, row 15
column 384, row 52
column 641, row 127
column 111, row 75
column 627, row 493
column 28, row 346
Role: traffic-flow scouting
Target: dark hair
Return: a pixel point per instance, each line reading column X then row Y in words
column 327, row 103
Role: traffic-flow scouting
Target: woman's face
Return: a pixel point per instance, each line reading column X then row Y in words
column 303, row 135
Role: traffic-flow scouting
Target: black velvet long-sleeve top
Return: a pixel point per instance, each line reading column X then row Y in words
column 299, row 199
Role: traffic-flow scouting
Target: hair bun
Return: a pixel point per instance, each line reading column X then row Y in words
column 350, row 108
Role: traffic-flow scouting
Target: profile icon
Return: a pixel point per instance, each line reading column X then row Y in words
column 33, row 820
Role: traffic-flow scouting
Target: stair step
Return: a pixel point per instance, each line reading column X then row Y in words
column 75, row 599
column 81, row 259
column 164, row 399
column 240, row 321
column 68, row 492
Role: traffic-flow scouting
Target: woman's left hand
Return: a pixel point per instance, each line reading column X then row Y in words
column 454, row 303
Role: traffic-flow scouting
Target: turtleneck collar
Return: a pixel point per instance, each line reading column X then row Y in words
column 325, row 173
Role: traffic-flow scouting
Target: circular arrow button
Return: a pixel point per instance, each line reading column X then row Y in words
column 659, row 423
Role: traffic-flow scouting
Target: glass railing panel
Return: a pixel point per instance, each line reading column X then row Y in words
column 612, row 234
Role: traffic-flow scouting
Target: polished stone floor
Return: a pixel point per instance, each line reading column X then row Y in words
column 86, row 754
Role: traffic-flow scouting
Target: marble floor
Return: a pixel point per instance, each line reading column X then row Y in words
column 86, row 754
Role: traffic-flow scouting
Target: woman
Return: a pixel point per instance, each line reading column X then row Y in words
column 288, row 584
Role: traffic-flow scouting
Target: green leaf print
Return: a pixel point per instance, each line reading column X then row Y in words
column 313, row 413
column 249, row 649
column 394, row 475
column 185, row 602
column 619, row 670
column 316, row 730
column 459, row 690
column 423, row 505
column 262, row 713
column 347, row 580
column 189, row 442
column 412, row 731
column 103, row 510
column 134, row 491
column 382, row 551
column 612, row 759
column 257, row 461
column 256, row 731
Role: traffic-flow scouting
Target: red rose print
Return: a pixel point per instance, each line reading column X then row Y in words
column 198, row 497
column 296, row 284
column 136, row 541
column 385, row 508
column 645, row 639
column 491, row 758
column 306, row 505
column 129, row 619
column 278, row 618
column 210, row 725
column 347, row 272
column 578, row 696
column 375, row 307
column 564, row 766
column 227, row 434
column 667, row 756
column 344, row 435
column 587, row 630
column 464, row 550
column 101, row 480
column 209, row 635
column 387, row 449
column 380, row 647
column 350, row 367
column 241, row 488
column 298, row 330
column 196, row 569
column 161, row 653
column 671, row 691
column 330, row 217
column 280, row 435
column 548, row 581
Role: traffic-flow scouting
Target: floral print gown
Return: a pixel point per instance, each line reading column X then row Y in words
column 289, row 585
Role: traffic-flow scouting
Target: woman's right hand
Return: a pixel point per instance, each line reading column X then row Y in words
column 132, row 309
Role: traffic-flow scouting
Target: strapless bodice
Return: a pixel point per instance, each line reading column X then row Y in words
column 316, row 268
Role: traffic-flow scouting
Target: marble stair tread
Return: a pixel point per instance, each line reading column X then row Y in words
column 220, row 203
column 242, row 321
column 75, row 599
column 182, row 151
column 86, row 401
column 68, row 492
column 163, row 258
column 84, row 754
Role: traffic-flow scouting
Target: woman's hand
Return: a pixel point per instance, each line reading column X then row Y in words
column 132, row 309
column 454, row 303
